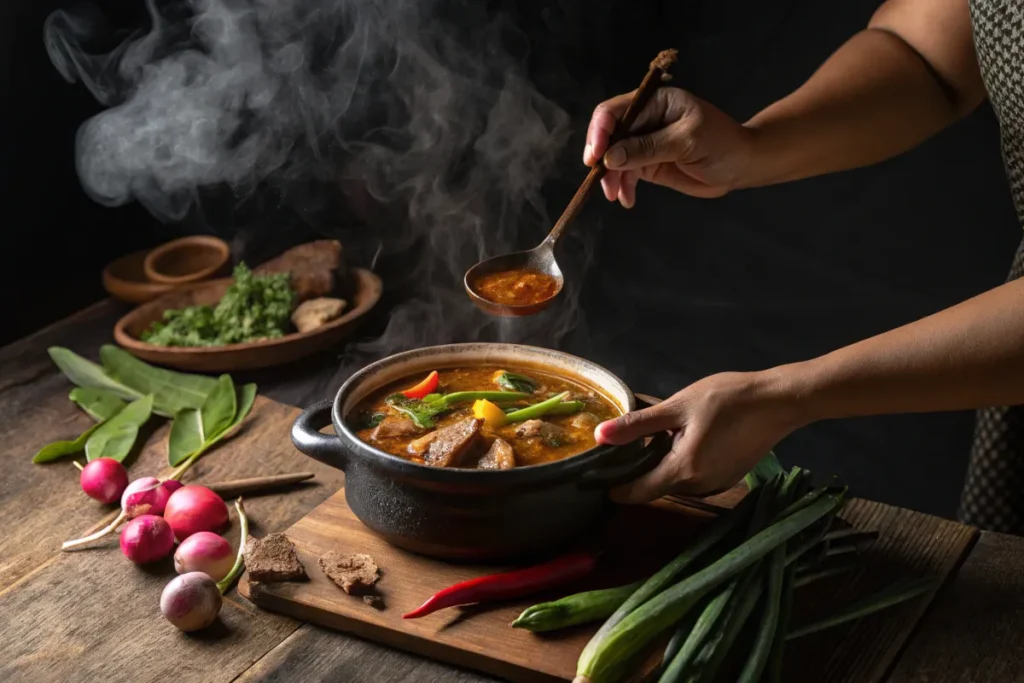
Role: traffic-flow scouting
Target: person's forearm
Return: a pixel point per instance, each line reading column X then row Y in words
column 873, row 99
column 968, row 356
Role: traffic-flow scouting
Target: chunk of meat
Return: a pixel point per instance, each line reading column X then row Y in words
column 585, row 396
column 584, row 421
column 393, row 426
column 448, row 446
column 500, row 456
column 551, row 434
column 315, row 268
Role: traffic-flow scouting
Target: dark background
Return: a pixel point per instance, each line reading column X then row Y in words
column 679, row 288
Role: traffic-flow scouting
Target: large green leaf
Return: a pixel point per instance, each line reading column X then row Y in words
column 85, row 373
column 219, row 408
column 58, row 449
column 99, row 404
column 186, row 436
column 172, row 391
column 115, row 437
column 191, row 427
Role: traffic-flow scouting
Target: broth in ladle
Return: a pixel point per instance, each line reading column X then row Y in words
column 517, row 287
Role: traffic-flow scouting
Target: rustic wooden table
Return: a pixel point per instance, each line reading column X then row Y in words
column 85, row 617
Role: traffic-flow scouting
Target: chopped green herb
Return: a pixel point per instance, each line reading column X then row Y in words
column 254, row 307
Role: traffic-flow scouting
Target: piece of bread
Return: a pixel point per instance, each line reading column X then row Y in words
column 272, row 558
column 313, row 313
column 355, row 573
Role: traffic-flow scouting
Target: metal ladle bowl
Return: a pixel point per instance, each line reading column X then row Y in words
column 541, row 258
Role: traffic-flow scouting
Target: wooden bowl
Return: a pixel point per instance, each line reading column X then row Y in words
column 125, row 279
column 249, row 356
column 186, row 260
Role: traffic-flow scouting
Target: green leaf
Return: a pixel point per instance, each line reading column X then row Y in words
column 58, row 449
column 85, row 373
column 186, row 436
column 246, row 397
column 219, row 408
column 99, row 404
column 115, row 437
column 511, row 381
column 172, row 391
column 177, row 454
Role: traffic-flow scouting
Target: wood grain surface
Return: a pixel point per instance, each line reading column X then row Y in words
column 92, row 616
column 973, row 633
column 638, row 540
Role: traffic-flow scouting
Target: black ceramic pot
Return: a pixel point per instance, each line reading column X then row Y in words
column 468, row 514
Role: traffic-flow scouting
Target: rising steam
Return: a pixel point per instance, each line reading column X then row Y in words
column 411, row 105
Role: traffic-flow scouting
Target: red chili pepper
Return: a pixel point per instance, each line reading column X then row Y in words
column 423, row 388
column 509, row 584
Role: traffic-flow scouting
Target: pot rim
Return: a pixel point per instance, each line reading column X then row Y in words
column 558, row 469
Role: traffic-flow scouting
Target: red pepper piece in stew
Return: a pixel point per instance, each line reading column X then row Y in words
column 425, row 387
column 509, row 584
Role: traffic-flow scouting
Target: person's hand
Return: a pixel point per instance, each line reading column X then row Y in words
column 723, row 424
column 678, row 141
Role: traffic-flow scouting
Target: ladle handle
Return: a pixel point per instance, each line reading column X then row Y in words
column 656, row 75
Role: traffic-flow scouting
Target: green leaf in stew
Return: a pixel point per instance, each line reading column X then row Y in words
column 510, row 381
column 115, row 437
column 99, row 404
column 59, row 449
column 171, row 390
column 186, row 436
column 219, row 407
column 85, row 373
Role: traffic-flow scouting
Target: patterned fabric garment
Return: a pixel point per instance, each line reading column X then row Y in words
column 993, row 496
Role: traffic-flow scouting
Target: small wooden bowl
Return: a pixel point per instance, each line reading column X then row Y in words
column 125, row 279
column 249, row 356
column 187, row 260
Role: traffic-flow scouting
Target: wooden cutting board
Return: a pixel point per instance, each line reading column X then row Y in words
column 639, row 540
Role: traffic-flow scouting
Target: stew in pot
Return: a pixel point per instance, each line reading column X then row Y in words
column 482, row 417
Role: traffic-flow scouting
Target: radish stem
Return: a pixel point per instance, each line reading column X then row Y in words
column 224, row 584
column 67, row 545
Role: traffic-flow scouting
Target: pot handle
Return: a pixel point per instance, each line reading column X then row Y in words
column 643, row 462
column 639, row 463
column 309, row 440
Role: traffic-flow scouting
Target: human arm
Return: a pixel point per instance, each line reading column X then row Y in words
column 967, row 356
column 910, row 74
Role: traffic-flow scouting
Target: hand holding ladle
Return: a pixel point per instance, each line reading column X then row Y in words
column 537, row 267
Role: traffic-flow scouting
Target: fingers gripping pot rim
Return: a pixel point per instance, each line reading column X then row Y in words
column 470, row 514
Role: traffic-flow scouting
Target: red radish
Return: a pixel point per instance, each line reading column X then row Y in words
column 192, row 509
column 191, row 601
column 147, row 538
column 147, row 496
column 104, row 479
column 205, row 552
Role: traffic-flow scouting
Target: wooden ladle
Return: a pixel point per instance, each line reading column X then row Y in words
column 541, row 259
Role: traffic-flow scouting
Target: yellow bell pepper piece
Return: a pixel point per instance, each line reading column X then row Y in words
column 492, row 415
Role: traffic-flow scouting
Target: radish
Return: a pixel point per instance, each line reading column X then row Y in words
column 147, row 496
column 147, row 538
column 104, row 479
column 205, row 552
column 191, row 601
column 192, row 509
